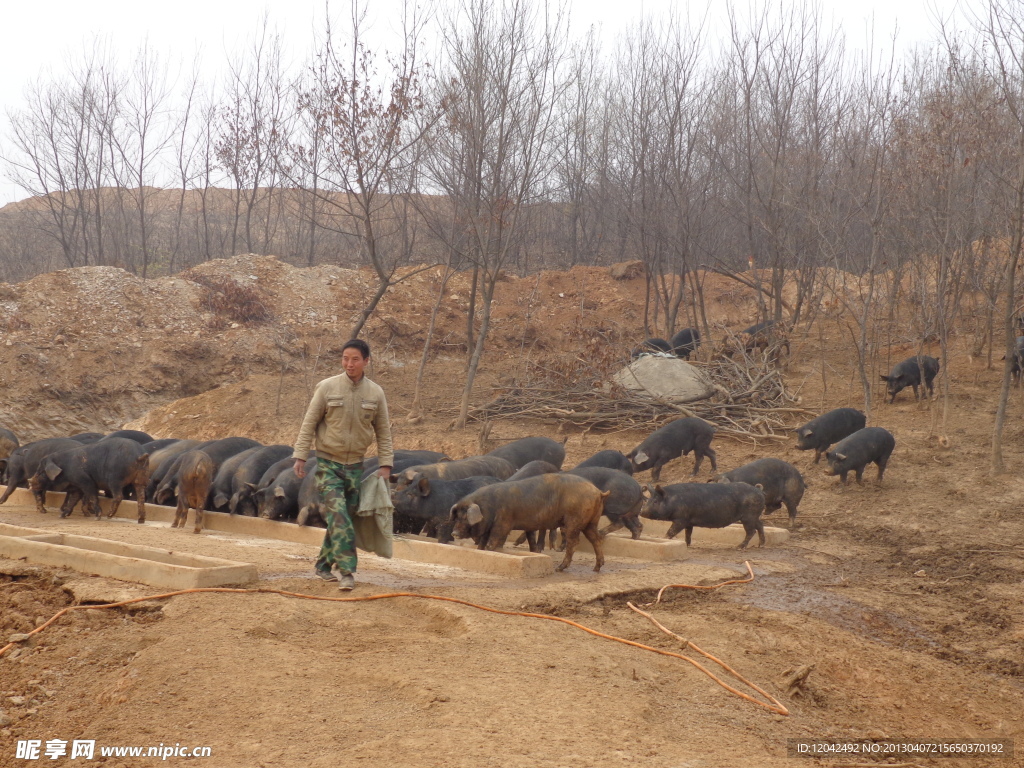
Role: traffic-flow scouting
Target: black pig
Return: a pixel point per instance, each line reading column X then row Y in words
column 532, row 469
column 25, row 460
column 280, row 499
column 220, row 490
column 707, row 505
column 675, row 439
column 908, row 374
column 610, row 460
column 485, row 466
column 8, row 445
column 685, row 343
column 779, row 480
column 819, row 433
column 426, row 506
column 649, row 346
column 108, row 465
column 246, row 477
column 521, row 452
column 622, row 507
column 132, row 434
column 871, row 444
column 765, row 335
column 403, row 460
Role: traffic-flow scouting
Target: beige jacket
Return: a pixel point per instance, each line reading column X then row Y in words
column 344, row 419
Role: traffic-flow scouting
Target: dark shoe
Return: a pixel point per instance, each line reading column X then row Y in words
column 346, row 582
column 325, row 575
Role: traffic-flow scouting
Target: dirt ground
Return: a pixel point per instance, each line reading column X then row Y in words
column 905, row 597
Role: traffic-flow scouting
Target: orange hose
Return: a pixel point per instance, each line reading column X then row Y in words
column 778, row 709
column 713, row 586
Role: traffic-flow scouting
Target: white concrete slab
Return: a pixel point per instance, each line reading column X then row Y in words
column 128, row 562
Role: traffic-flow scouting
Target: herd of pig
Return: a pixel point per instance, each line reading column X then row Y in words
column 519, row 486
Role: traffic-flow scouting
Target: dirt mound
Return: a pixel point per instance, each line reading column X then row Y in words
column 95, row 347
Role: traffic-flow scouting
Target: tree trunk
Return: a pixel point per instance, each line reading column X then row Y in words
column 414, row 411
column 471, row 314
column 1009, row 337
column 478, row 349
column 382, row 288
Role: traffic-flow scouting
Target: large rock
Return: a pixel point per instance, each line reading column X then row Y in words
column 665, row 378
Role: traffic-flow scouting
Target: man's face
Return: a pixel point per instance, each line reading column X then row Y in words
column 353, row 362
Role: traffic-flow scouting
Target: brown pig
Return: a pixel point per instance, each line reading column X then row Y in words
column 544, row 502
column 195, row 476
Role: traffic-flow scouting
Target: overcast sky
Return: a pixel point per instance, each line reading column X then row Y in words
column 41, row 35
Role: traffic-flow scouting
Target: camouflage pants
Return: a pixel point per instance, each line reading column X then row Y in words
column 338, row 486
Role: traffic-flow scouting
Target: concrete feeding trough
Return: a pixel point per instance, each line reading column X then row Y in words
column 731, row 535
column 644, row 548
column 128, row 562
column 516, row 565
column 510, row 563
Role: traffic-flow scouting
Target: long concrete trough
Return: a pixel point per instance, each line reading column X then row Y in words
column 129, row 562
column 730, row 536
column 508, row 562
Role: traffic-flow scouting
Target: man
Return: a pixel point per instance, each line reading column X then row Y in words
column 346, row 414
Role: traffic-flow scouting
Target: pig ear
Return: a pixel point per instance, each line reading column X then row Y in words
column 424, row 486
column 659, row 490
column 759, row 487
column 884, row 378
column 473, row 514
column 220, row 499
column 840, row 456
column 252, row 486
column 806, row 432
column 279, row 492
column 52, row 470
column 641, row 457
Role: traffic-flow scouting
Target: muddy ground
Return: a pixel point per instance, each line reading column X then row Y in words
column 905, row 598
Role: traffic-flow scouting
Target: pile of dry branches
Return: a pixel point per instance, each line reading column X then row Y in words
column 750, row 398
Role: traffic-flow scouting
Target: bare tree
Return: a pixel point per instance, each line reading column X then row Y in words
column 251, row 136
column 360, row 128
column 142, row 132
column 502, row 79
column 782, row 78
column 577, row 225
column 856, row 226
column 661, row 164
column 60, row 154
column 1002, row 31
column 941, row 193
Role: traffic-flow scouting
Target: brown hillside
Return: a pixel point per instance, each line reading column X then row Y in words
column 95, row 347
